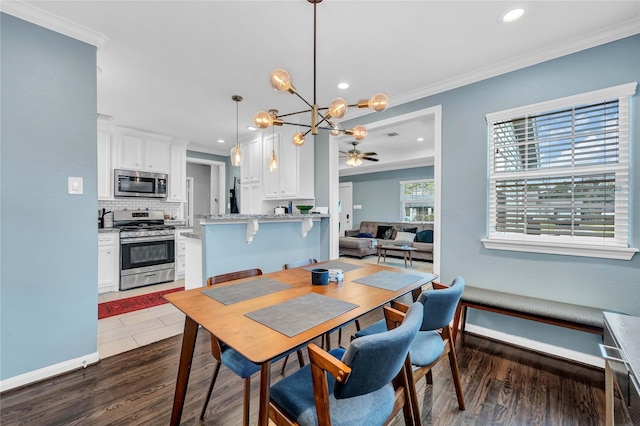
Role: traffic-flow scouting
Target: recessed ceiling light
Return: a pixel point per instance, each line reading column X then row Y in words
column 420, row 139
column 251, row 128
column 343, row 86
column 220, row 140
column 513, row 15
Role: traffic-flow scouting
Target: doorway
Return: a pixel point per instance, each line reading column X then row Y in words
column 205, row 190
column 345, row 204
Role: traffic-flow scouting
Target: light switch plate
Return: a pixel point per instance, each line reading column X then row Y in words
column 75, row 185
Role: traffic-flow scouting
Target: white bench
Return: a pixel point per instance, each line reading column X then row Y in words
column 577, row 317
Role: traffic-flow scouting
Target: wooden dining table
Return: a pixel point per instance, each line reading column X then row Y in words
column 260, row 343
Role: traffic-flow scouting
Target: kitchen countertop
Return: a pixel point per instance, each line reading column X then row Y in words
column 241, row 217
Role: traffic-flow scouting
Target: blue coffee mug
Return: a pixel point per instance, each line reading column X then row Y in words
column 319, row 276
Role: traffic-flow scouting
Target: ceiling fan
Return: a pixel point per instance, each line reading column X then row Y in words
column 355, row 157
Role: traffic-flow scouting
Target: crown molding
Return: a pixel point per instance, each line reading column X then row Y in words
column 607, row 35
column 48, row 20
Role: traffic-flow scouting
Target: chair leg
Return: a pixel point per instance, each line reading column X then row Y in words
column 213, row 382
column 246, row 401
column 453, row 362
column 300, row 358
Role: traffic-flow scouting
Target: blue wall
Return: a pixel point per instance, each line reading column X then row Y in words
column 49, row 298
column 379, row 193
column 230, row 173
column 608, row 284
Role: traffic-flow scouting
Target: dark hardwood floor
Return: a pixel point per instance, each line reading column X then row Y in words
column 502, row 385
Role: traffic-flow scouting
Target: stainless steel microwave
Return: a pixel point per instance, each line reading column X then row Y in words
column 131, row 183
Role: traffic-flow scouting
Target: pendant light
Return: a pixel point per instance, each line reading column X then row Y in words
column 236, row 151
column 273, row 161
column 321, row 117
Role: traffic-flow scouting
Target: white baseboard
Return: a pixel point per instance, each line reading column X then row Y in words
column 536, row 346
column 47, row 372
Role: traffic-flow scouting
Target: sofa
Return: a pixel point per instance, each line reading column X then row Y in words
column 363, row 241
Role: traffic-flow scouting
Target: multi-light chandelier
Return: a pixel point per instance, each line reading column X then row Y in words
column 281, row 82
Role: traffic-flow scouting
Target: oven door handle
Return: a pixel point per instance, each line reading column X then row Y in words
column 147, row 239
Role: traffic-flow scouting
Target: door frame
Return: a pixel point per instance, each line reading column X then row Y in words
column 349, row 186
column 220, row 176
column 436, row 111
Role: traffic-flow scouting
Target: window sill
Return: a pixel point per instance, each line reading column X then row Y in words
column 600, row 251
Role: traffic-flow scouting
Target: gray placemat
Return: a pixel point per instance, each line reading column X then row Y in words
column 335, row 264
column 230, row 294
column 388, row 280
column 300, row 314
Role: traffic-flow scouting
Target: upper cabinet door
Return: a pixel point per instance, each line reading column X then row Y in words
column 129, row 152
column 157, row 156
column 250, row 168
column 178, row 174
column 142, row 153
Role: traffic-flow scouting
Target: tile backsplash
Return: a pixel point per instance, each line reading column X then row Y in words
column 173, row 209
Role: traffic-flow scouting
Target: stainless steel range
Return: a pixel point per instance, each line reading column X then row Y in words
column 147, row 248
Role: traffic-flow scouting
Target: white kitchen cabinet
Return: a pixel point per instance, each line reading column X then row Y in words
column 251, row 164
column 282, row 182
column 143, row 152
column 105, row 171
column 157, row 156
column 180, row 251
column 251, row 198
column 108, row 261
column 178, row 174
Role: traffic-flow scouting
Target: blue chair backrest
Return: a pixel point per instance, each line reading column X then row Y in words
column 440, row 305
column 376, row 359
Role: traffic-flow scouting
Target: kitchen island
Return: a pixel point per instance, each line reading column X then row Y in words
column 234, row 242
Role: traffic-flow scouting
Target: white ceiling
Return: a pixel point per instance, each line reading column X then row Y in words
column 171, row 67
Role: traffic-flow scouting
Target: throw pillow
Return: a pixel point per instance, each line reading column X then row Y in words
column 425, row 236
column 405, row 237
column 384, row 232
column 365, row 235
column 413, row 230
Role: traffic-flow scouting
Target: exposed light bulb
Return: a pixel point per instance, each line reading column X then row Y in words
column 335, row 129
column 280, row 80
column 262, row 120
column 298, row 139
column 338, row 108
column 273, row 162
column 359, row 133
column 379, row 102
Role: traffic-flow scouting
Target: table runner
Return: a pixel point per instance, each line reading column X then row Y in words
column 300, row 314
column 388, row 280
column 230, row 294
column 335, row 264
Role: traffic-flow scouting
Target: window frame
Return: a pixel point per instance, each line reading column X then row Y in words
column 610, row 248
column 402, row 199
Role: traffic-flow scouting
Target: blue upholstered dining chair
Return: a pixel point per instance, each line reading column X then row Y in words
column 367, row 384
column 224, row 355
column 433, row 342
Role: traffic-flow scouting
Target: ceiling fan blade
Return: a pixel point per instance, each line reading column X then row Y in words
column 369, row 153
column 342, row 152
column 370, row 158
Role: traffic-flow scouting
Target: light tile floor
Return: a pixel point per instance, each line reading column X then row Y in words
column 122, row 333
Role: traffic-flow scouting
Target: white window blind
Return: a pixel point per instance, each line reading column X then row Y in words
column 559, row 172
